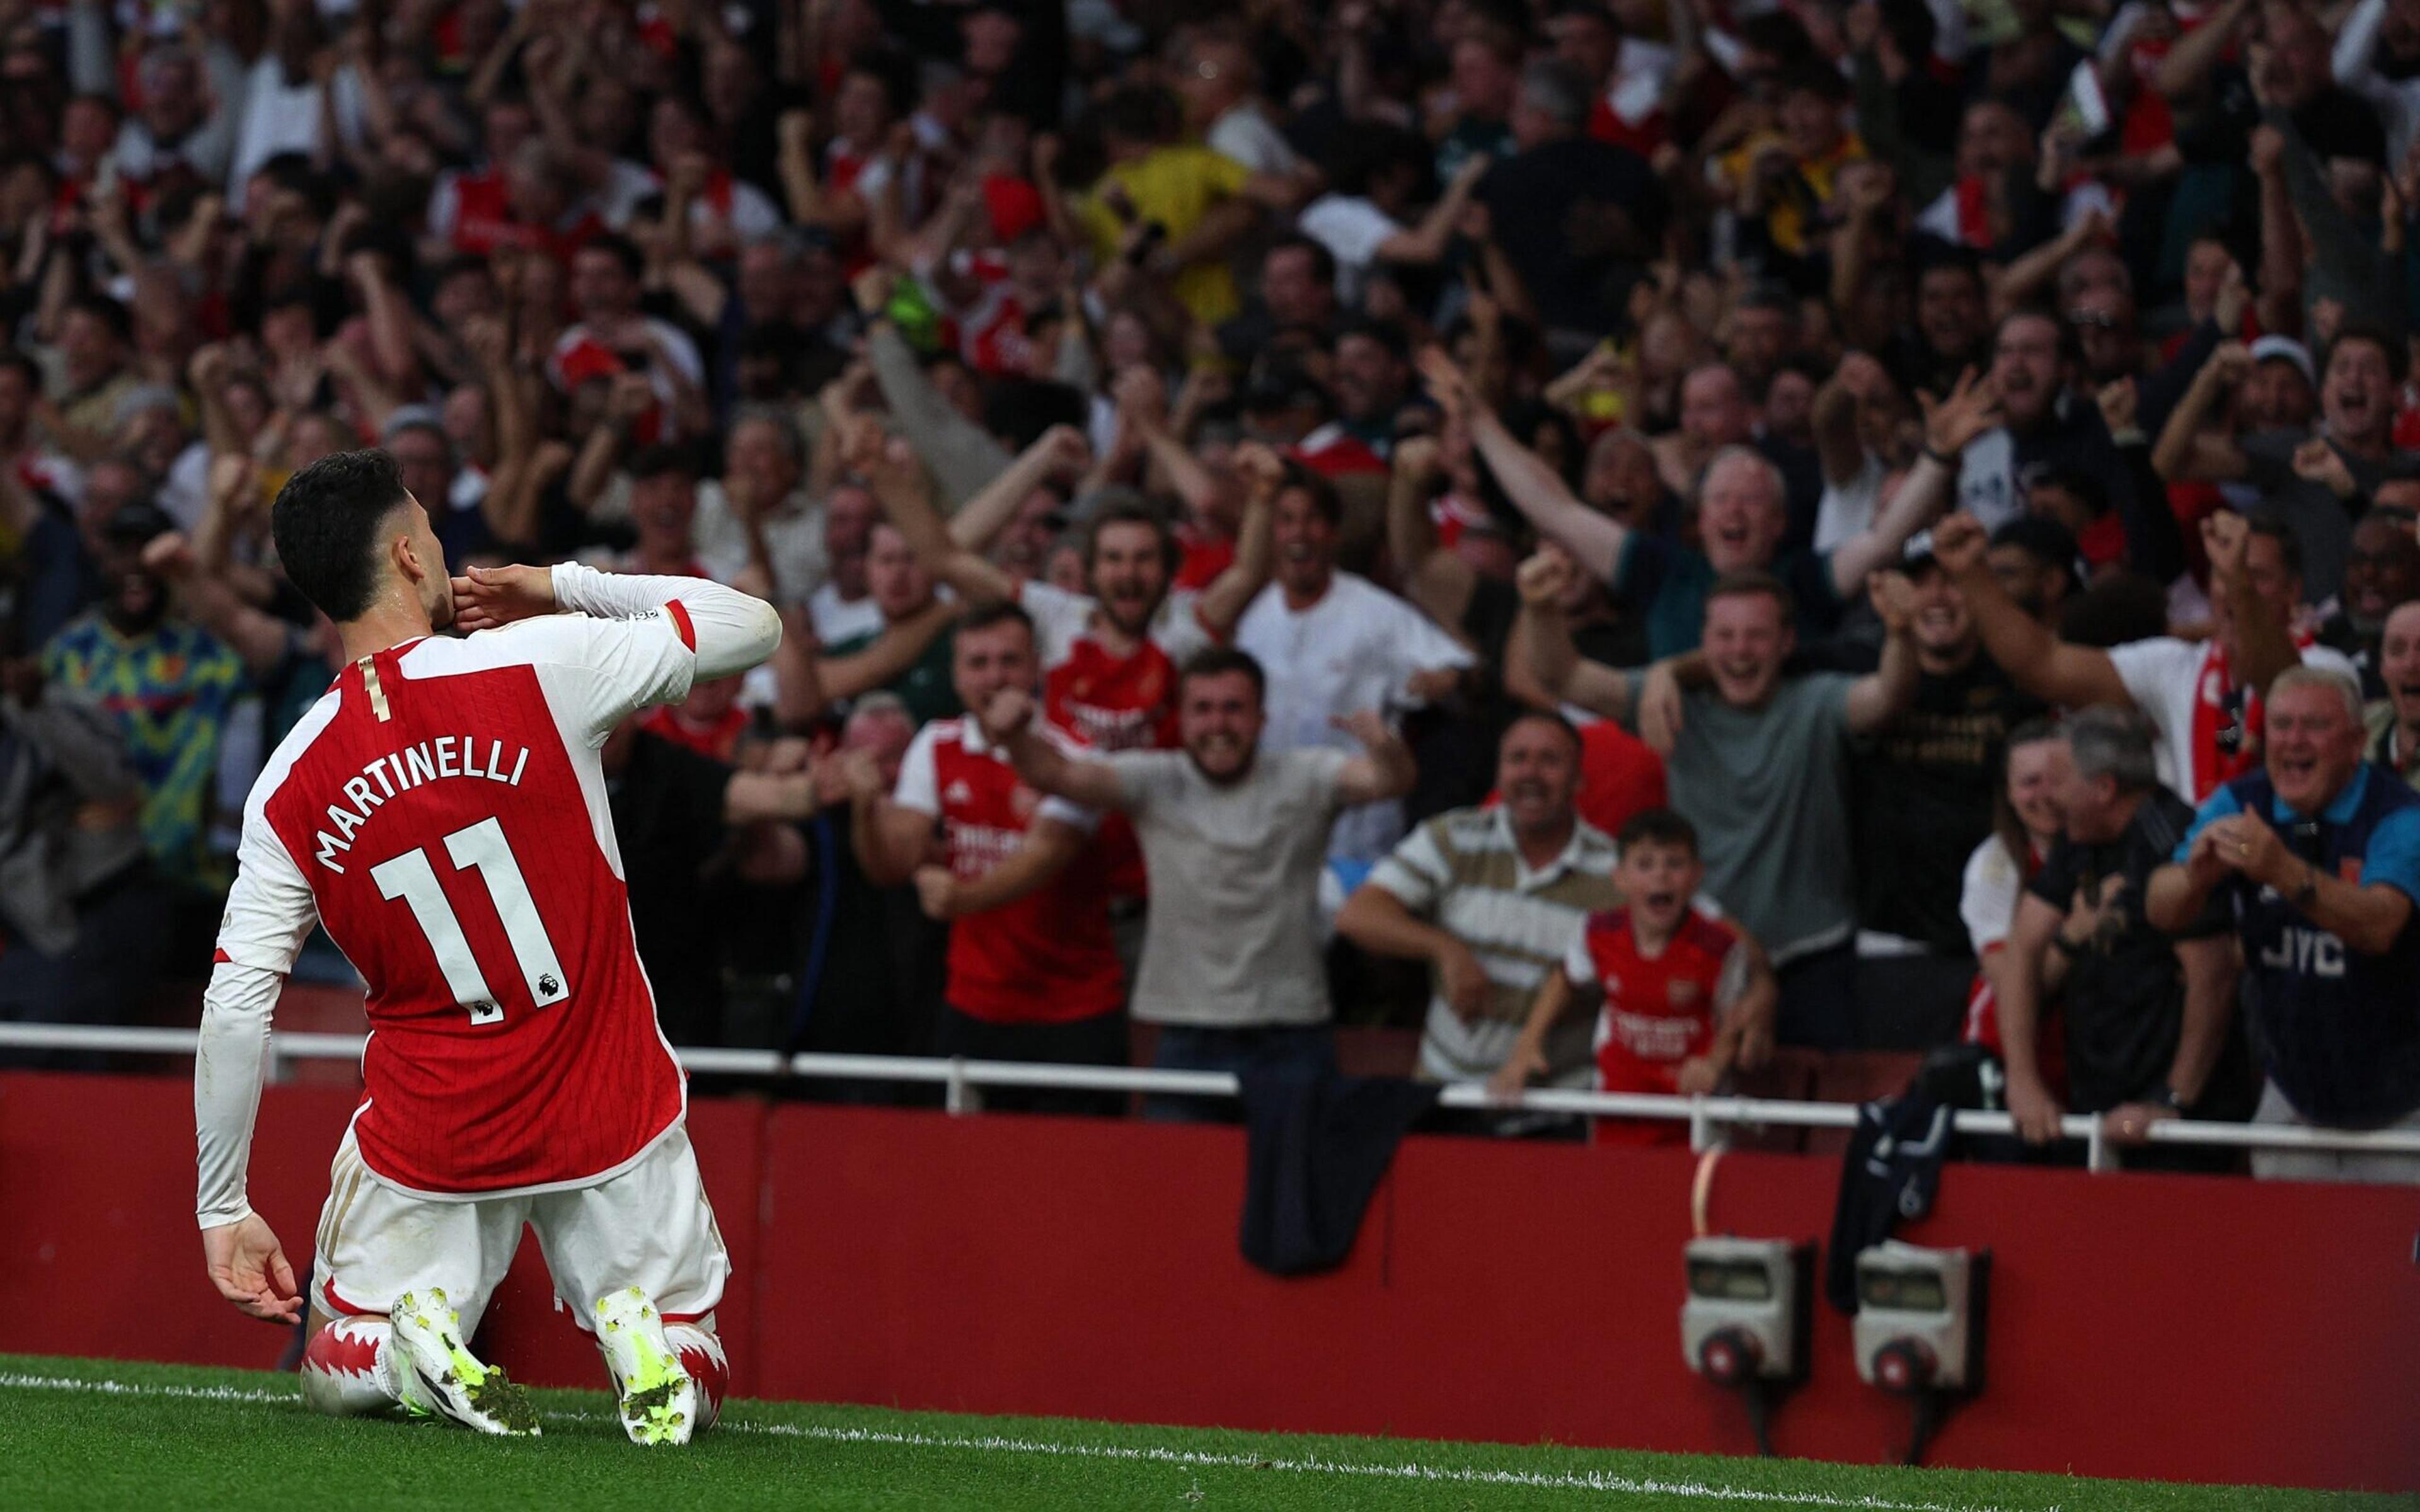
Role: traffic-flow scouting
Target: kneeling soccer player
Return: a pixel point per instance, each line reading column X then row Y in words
column 441, row 812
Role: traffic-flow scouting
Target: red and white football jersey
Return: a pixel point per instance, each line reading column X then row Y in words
column 1658, row 1011
column 1109, row 702
column 442, row 811
column 1047, row 958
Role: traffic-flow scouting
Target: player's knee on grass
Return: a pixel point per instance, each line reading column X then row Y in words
column 345, row 1368
column 701, row 1355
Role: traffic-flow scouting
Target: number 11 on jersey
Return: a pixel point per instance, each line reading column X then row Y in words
column 479, row 847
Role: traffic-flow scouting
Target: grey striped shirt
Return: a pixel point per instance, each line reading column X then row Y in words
column 1462, row 872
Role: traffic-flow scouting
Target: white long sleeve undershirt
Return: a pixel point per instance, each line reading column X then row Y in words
column 735, row 630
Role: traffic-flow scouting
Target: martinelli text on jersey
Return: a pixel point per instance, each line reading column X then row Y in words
column 446, row 756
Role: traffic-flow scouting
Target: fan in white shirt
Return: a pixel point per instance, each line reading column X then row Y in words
column 1332, row 642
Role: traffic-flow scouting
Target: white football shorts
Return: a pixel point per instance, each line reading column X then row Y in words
column 649, row 1226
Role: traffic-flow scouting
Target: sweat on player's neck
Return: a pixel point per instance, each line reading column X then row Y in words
column 397, row 613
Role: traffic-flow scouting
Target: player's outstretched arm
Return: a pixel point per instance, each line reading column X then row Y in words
column 268, row 912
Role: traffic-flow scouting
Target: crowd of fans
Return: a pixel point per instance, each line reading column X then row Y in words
column 1614, row 501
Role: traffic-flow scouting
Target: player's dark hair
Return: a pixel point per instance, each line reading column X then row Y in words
column 1657, row 827
column 998, row 611
column 327, row 521
column 1217, row 661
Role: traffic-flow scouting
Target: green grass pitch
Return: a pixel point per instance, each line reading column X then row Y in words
column 93, row 1433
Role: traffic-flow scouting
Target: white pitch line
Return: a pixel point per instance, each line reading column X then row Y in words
column 1591, row 1480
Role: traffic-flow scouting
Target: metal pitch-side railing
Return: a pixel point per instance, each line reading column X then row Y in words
column 960, row 1079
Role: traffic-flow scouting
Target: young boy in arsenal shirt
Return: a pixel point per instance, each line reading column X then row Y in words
column 1678, row 987
column 442, row 811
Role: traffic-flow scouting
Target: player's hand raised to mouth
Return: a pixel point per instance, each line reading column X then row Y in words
column 490, row 597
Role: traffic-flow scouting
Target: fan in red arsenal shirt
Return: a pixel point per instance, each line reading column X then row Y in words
column 1032, row 973
column 1109, row 661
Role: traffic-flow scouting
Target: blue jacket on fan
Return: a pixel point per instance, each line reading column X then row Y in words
column 2338, row 1031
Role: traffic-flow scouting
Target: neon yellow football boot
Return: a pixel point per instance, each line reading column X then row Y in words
column 441, row 1375
column 659, row 1399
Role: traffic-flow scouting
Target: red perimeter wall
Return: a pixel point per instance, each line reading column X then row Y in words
column 2177, row 1327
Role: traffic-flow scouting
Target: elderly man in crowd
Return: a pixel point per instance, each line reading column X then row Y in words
column 1742, row 515
column 576, row 235
column 2319, row 855
column 1232, row 836
column 2148, row 1008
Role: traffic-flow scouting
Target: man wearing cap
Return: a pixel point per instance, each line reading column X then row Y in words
column 1921, row 789
column 2317, row 484
column 168, row 684
column 2283, row 392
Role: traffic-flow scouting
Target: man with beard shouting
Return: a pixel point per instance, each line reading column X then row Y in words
column 1109, row 661
column 1235, row 837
